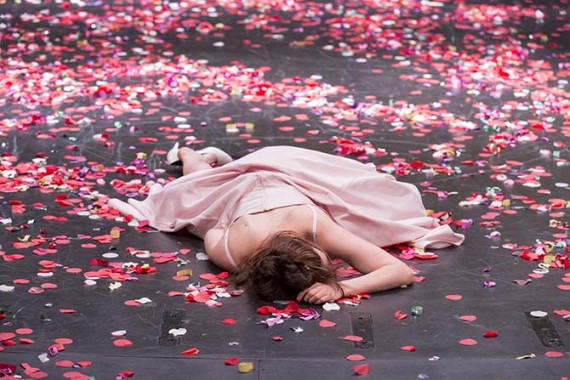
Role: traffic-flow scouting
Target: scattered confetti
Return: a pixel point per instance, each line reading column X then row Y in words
column 355, row 358
column 245, row 367
column 554, row 354
column 111, row 104
column 331, row 306
column 491, row 334
column 326, row 324
column 177, row 332
column 353, row 338
column 361, row 369
column 122, row 343
column 231, row 361
column 190, row 352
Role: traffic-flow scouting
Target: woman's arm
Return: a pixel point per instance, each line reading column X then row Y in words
column 381, row 270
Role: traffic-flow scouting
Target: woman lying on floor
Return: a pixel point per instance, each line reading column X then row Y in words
column 277, row 217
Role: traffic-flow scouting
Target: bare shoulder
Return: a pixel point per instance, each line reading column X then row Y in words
column 214, row 247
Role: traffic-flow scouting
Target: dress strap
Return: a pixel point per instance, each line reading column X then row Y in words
column 315, row 220
column 227, row 247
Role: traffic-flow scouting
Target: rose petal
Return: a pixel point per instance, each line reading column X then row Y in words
column 554, row 354
column 231, row 361
column 324, row 323
column 468, row 342
column 361, row 369
column 64, row 363
column 353, row 338
column 122, row 343
column 355, row 358
column 24, row 331
column 190, row 352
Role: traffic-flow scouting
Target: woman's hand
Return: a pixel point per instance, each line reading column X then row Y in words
column 319, row 293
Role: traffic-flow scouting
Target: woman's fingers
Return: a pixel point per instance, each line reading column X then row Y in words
column 301, row 295
column 318, row 293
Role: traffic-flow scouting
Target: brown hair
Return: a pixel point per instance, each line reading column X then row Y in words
column 283, row 266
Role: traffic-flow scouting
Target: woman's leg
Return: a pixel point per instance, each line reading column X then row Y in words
column 193, row 162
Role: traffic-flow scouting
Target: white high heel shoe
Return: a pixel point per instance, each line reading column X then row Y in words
column 172, row 155
column 222, row 157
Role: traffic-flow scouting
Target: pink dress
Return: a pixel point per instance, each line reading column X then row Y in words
column 371, row 205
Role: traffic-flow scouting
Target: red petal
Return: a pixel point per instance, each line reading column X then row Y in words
column 553, row 354
column 232, row 361
column 468, row 342
column 122, row 343
column 266, row 310
column 202, row 297
column 408, row 348
column 229, row 321
column 190, row 352
column 563, row 287
column 490, row 334
column 399, row 315
column 454, row 297
column 361, row 369
column 6, row 336
column 468, row 318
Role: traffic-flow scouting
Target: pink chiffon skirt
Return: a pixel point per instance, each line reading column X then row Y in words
column 371, row 205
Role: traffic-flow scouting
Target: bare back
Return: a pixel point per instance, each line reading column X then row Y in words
column 248, row 232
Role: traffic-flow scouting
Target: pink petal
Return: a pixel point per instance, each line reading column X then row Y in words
column 353, row 338
column 361, row 369
column 324, row 323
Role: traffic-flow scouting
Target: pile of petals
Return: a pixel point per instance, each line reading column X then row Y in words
column 292, row 310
